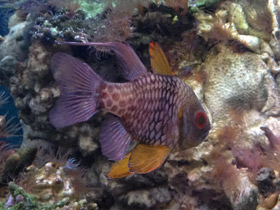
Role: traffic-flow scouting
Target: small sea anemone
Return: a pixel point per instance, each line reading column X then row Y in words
column 72, row 164
column 9, row 128
column 49, row 153
column 56, row 173
column 3, row 98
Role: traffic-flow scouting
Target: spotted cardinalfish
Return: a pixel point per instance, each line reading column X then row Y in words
column 156, row 109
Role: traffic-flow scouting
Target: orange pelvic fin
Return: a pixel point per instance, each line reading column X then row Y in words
column 120, row 169
column 159, row 61
column 146, row 158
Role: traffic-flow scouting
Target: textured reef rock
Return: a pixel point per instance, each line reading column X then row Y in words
column 13, row 49
column 238, row 81
column 229, row 57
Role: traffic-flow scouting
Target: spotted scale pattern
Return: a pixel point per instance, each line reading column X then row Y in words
column 147, row 106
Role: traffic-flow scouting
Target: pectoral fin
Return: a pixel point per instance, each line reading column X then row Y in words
column 120, row 169
column 146, row 158
column 159, row 61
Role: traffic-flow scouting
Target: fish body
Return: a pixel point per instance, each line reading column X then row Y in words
column 148, row 107
column 159, row 111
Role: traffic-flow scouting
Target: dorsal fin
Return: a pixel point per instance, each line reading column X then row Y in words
column 146, row 158
column 120, row 169
column 131, row 65
column 159, row 61
column 114, row 139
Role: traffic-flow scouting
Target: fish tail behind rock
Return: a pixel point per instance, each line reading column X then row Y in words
column 79, row 91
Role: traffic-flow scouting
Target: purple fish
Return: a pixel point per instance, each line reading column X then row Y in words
column 159, row 111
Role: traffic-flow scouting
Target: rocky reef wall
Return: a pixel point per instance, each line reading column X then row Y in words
column 227, row 51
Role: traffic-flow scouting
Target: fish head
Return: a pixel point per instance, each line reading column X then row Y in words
column 195, row 125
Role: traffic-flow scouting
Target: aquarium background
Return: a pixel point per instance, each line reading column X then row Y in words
column 226, row 51
column 9, row 110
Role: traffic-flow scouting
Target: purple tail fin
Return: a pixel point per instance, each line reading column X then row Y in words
column 79, row 87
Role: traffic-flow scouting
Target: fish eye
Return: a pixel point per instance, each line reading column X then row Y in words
column 200, row 119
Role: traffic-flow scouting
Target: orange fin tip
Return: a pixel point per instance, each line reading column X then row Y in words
column 146, row 158
column 120, row 169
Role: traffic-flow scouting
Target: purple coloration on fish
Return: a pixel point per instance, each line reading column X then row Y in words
column 148, row 107
column 154, row 109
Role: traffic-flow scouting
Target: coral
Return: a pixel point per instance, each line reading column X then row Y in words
column 265, row 181
column 54, row 182
column 15, row 43
column 62, row 183
column 15, row 162
column 16, row 18
column 8, row 129
column 224, row 88
column 224, row 52
column 19, row 199
column 5, row 153
column 7, row 65
column 14, row 48
column 243, row 21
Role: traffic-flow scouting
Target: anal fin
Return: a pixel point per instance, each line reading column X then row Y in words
column 146, row 158
column 120, row 169
column 114, row 139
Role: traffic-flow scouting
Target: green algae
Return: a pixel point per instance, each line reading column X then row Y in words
column 29, row 202
column 91, row 9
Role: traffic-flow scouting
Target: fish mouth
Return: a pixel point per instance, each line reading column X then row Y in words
column 205, row 135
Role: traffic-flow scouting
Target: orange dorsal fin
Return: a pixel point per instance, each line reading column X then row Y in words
column 159, row 61
column 120, row 169
column 146, row 158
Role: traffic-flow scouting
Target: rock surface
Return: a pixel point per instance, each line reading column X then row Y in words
column 230, row 60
